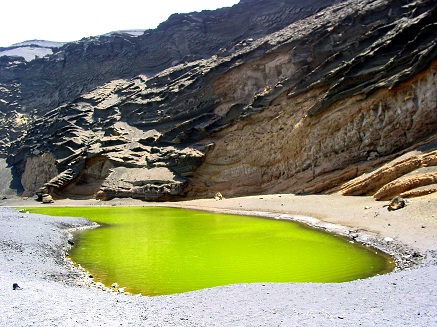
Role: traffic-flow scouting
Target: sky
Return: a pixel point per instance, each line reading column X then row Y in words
column 65, row 21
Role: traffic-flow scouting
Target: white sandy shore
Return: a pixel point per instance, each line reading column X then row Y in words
column 32, row 251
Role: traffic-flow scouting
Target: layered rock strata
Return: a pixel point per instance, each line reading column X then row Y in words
column 304, row 109
column 409, row 175
column 28, row 89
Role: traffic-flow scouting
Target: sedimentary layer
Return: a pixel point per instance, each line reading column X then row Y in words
column 310, row 105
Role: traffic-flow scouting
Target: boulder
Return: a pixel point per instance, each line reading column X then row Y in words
column 396, row 203
column 218, row 196
column 47, row 198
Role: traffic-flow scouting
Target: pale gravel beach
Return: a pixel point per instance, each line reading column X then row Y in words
column 32, row 254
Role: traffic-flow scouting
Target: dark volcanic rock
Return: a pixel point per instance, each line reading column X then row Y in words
column 271, row 101
column 30, row 89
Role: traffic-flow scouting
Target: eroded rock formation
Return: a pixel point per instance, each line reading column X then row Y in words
column 28, row 89
column 411, row 174
column 300, row 98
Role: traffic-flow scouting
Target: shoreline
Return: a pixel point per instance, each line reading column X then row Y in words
column 404, row 255
column 415, row 225
column 268, row 303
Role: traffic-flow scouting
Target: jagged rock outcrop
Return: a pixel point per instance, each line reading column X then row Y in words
column 30, row 89
column 288, row 147
column 326, row 96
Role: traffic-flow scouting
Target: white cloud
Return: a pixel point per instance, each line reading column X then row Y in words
column 56, row 20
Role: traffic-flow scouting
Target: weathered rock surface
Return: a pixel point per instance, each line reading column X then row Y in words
column 409, row 175
column 38, row 170
column 30, row 89
column 291, row 98
column 405, row 184
column 420, row 191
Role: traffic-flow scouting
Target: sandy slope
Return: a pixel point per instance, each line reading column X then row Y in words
column 32, row 248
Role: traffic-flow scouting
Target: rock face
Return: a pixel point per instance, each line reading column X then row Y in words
column 293, row 96
column 412, row 174
column 29, row 89
column 38, row 170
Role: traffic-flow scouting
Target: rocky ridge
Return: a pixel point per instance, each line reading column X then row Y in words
column 318, row 100
column 28, row 90
column 30, row 50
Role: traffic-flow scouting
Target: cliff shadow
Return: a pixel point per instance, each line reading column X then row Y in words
column 10, row 184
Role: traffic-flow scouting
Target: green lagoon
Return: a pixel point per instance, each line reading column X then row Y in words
column 157, row 250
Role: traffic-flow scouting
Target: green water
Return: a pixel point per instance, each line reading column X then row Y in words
column 156, row 251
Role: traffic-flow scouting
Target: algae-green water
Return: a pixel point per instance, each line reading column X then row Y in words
column 156, row 250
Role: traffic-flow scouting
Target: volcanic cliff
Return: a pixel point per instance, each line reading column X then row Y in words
column 263, row 97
